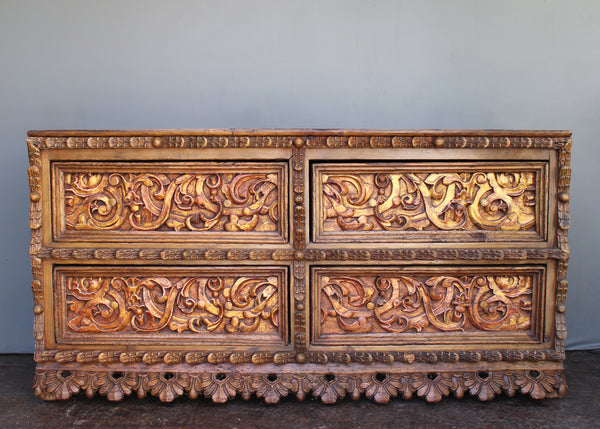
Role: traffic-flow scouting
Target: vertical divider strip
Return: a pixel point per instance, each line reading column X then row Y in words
column 299, row 236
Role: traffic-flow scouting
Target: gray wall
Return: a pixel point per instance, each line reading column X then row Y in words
column 371, row 64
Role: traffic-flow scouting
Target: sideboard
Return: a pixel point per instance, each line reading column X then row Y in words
column 225, row 262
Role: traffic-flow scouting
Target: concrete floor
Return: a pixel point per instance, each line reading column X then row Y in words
column 580, row 408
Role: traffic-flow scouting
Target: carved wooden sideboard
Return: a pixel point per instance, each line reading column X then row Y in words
column 232, row 262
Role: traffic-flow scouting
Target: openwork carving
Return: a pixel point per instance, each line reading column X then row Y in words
column 166, row 198
column 364, row 302
column 221, row 387
column 202, row 304
column 368, row 197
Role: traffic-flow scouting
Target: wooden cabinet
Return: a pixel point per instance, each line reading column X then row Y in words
column 234, row 262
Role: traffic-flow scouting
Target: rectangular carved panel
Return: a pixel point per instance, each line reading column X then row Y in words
column 390, row 305
column 430, row 201
column 202, row 201
column 203, row 304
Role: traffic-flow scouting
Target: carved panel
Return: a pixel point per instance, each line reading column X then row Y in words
column 429, row 202
column 217, row 303
column 389, row 304
column 221, row 202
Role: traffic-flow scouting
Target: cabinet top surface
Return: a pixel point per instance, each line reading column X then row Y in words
column 298, row 131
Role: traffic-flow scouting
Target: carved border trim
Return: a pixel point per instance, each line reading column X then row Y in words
column 163, row 254
column 382, row 254
column 34, row 172
column 562, row 238
column 375, row 254
column 299, row 304
column 284, row 357
column 221, row 387
column 451, row 356
column 439, row 142
column 170, row 358
column 283, row 141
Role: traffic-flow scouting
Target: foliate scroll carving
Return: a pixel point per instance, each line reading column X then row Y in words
column 221, row 387
column 159, row 197
column 211, row 302
column 365, row 302
column 400, row 198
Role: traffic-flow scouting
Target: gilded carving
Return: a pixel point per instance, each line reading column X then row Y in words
column 386, row 199
column 225, row 304
column 151, row 198
column 395, row 303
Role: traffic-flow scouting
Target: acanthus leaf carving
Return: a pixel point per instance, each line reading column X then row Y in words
column 427, row 201
column 401, row 303
column 162, row 201
column 198, row 304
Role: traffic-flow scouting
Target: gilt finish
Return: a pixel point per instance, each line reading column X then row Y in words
column 227, row 199
column 383, row 198
column 330, row 263
column 205, row 302
column 368, row 301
